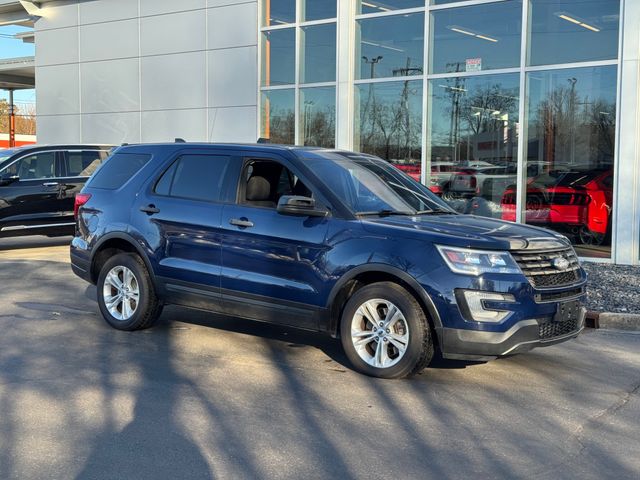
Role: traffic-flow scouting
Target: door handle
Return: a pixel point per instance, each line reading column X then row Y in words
column 51, row 184
column 150, row 209
column 239, row 222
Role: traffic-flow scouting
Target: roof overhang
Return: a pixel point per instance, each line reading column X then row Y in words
column 17, row 73
column 20, row 12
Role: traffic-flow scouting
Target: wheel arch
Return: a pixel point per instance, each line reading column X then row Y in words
column 112, row 242
column 357, row 277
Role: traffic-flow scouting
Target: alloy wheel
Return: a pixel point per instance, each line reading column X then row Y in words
column 379, row 333
column 121, row 293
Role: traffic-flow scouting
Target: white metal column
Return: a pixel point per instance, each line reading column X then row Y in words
column 345, row 107
column 626, row 202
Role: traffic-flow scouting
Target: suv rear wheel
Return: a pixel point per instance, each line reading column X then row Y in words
column 385, row 332
column 126, row 296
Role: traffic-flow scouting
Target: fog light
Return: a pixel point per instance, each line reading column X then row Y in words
column 475, row 305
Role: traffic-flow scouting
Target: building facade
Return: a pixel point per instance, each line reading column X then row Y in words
column 525, row 110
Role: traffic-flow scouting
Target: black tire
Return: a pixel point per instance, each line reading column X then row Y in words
column 419, row 350
column 147, row 309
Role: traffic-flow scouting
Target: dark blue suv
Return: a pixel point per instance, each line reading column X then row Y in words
column 323, row 240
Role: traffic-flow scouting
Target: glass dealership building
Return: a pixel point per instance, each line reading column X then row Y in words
column 525, row 110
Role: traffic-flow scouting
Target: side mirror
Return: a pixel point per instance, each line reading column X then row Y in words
column 7, row 179
column 301, row 206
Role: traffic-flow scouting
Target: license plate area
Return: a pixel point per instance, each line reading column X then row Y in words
column 568, row 312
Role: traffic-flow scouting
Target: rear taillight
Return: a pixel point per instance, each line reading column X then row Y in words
column 81, row 199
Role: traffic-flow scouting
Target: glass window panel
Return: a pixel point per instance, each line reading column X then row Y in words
column 318, row 9
column 277, row 115
column 84, row 163
column 319, row 50
column 389, row 123
column 278, row 12
column 443, row 2
column 278, row 57
column 375, row 6
column 473, row 141
column 390, row 46
column 481, row 37
column 39, row 165
column 571, row 117
column 118, row 170
column 570, row 31
column 318, row 116
column 198, row 177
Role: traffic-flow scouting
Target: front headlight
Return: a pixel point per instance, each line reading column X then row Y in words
column 476, row 262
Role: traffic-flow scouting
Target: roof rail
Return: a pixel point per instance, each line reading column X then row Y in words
column 180, row 140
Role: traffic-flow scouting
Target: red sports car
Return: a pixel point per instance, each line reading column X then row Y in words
column 578, row 201
column 411, row 169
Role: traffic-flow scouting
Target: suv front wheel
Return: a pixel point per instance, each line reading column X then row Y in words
column 385, row 332
column 126, row 295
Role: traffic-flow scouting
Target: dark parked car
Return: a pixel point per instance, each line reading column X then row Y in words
column 323, row 240
column 38, row 185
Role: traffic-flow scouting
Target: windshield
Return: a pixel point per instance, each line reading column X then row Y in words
column 5, row 155
column 369, row 185
column 564, row 178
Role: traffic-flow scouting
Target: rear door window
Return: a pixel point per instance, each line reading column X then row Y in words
column 82, row 163
column 196, row 177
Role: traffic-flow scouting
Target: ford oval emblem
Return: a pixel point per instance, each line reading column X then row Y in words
column 560, row 263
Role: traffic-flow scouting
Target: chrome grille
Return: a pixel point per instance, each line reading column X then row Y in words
column 537, row 266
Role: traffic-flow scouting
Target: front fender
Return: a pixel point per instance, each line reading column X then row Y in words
column 388, row 270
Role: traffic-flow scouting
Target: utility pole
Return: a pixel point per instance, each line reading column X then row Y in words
column 12, row 121
column 572, row 119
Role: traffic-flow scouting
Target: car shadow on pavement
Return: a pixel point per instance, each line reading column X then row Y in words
column 153, row 444
column 287, row 337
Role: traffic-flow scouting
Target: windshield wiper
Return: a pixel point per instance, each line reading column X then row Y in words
column 385, row 213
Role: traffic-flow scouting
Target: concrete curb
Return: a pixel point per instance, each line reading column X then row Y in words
column 613, row 321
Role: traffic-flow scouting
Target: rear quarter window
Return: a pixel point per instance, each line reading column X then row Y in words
column 117, row 170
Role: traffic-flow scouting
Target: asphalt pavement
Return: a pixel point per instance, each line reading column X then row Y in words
column 203, row 396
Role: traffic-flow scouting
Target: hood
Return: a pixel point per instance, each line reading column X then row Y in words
column 468, row 231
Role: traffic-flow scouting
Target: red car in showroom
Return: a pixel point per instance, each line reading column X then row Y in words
column 576, row 201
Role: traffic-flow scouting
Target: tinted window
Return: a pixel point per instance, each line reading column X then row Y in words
column 84, row 163
column 38, row 165
column 117, row 169
column 163, row 187
column 199, row 177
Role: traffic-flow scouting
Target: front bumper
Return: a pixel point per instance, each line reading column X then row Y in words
column 462, row 344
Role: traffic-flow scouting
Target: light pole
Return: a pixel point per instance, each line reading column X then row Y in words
column 308, row 105
column 373, row 62
column 572, row 119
